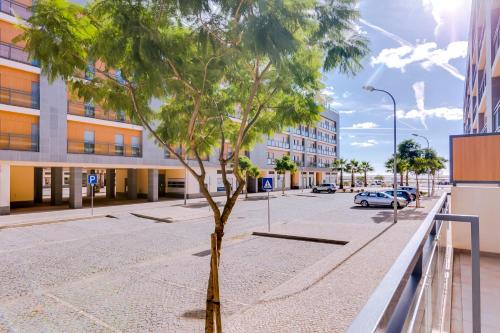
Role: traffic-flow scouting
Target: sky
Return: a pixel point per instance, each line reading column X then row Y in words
column 418, row 51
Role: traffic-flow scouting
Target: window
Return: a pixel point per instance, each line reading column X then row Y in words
column 35, row 95
column 89, row 109
column 136, row 146
column 34, row 137
column 89, row 72
column 372, row 195
column 89, row 144
column 119, row 144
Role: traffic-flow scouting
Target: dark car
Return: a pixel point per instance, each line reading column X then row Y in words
column 402, row 194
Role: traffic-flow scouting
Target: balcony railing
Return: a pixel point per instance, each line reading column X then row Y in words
column 103, row 148
column 415, row 294
column 15, row 8
column 12, row 141
column 311, row 150
column 298, row 148
column 20, row 98
column 16, row 53
column 278, row 144
column 482, row 86
column 91, row 111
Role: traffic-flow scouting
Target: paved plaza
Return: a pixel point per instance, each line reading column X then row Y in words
column 143, row 268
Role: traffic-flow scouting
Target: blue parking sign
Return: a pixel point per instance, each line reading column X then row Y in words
column 267, row 184
column 92, row 179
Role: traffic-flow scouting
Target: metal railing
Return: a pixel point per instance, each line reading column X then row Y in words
column 15, row 8
column 103, row 148
column 23, row 142
column 89, row 110
column 415, row 294
column 19, row 98
column 482, row 86
column 16, row 53
column 278, row 144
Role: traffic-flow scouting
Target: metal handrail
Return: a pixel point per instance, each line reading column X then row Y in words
column 78, row 108
column 19, row 98
column 15, row 8
column 16, row 53
column 387, row 308
column 103, row 148
column 22, row 142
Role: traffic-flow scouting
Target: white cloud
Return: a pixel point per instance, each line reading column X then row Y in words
column 364, row 144
column 346, row 94
column 445, row 12
column 365, row 125
column 447, row 113
column 427, row 54
column 347, row 111
column 328, row 91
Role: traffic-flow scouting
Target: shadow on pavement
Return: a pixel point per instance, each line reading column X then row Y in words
column 194, row 314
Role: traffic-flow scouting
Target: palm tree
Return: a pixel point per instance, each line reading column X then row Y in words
column 245, row 165
column 408, row 150
column 402, row 168
column 418, row 166
column 253, row 172
column 353, row 167
column 435, row 163
column 340, row 165
column 283, row 165
column 365, row 167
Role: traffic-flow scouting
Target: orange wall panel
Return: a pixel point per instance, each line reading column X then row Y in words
column 16, row 123
column 8, row 32
column 16, row 79
column 476, row 158
column 104, row 134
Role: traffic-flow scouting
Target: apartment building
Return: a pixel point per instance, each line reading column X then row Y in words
column 50, row 140
column 482, row 84
column 312, row 148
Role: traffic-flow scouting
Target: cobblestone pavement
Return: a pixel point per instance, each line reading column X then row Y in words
column 132, row 274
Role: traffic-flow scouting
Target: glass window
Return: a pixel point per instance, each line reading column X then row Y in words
column 381, row 195
column 119, row 144
column 136, row 146
column 373, row 195
column 89, row 142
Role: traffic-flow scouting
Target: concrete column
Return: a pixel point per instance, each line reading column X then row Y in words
column 75, row 187
column 4, row 188
column 110, row 183
column 131, row 184
column 152, row 184
column 56, row 185
column 38, row 185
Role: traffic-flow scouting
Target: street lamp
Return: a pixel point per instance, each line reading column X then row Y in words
column 428, row 174
column 395, row 186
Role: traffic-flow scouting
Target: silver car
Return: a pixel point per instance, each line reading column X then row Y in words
column 367, row 199
column 326, row 187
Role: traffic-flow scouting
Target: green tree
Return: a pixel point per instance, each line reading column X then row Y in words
column 378, row 177
column 418, row 166
column 435, row 163
column 283, row 165
column 408, row 150
column 402, row 167
column 249, row 170
column 339, row 165
column 205, row 63
column 353, row 167
column 365, row 167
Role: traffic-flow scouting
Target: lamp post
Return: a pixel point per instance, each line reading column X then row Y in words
column 428, row 174
column 395, row 182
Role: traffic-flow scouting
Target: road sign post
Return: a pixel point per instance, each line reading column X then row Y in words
column 267, row 185
column 92, row 180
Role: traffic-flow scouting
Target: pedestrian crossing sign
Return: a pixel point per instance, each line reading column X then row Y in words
column 267, row 184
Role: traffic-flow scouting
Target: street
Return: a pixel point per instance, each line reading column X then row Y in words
column 125, row 273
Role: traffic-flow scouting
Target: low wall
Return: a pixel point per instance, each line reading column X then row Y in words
column 483, row 201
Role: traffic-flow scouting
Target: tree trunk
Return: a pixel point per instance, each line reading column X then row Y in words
column 401, row 179
column 407, row 182
column 418, row 193
column 213, row 305
column 352, row 178
column 341, row 179
column 366, row 183
column 283, row 184
column 433, row 184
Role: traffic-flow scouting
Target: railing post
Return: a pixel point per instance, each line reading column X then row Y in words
column 476, row 276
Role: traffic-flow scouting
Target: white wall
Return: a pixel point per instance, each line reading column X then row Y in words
column 484, row 202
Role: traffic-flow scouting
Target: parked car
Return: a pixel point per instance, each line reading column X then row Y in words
column 326, row 187
column 402, row 193
column 367, row 199
column 377, row 183
column 412, row 190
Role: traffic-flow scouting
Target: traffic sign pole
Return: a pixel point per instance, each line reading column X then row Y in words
column 267, row 185
column 268, row 214
column 92, row 199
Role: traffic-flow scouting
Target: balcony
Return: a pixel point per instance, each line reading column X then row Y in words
column 16, row 53
column 89, row 110
column 14, row 8
column 278, row 144
column 482, row 86
column 103, row 148
column 20, row 98
column 22, row 142
column 311, row 150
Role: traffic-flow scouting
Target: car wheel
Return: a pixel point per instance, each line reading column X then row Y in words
column 394, row 203
column 364, row 203
column 330, row 190
column 315, row 190
column 413, row 197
